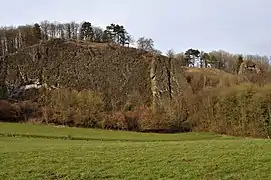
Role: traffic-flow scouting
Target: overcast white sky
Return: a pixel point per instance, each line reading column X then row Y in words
column 238, row 26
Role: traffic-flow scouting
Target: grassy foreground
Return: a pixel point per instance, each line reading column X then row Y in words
column 46, row 152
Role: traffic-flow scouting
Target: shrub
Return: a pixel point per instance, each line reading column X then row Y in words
column 173, row 116
column 20, row 111
column 29, row 111
column 169, row 118
column 139, row 118
column 115, row 120
column 71, row 107
column 9, row 112
column 241, row 110
column 133, row 119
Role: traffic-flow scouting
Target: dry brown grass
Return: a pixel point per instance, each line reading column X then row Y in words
column 200, row 78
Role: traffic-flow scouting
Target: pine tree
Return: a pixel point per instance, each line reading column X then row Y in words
column 86, row 31
column 37, row 32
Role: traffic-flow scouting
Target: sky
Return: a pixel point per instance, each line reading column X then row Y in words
column 237, row 26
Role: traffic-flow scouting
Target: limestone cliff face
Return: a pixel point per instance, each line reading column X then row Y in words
column 167, row 79
column 3, row 76
column 123, row 75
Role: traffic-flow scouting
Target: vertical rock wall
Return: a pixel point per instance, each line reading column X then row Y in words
column 123, row 75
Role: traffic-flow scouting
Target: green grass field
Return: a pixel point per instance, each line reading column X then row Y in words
column 47, row 152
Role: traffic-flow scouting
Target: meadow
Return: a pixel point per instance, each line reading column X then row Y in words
column 30, row 151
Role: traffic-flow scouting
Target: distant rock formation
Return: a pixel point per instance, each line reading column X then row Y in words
column 249, row 67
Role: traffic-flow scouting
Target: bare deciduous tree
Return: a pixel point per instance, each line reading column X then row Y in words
column 170, row 53
column 45, row 29
column 98, row 34
column 146, row 44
